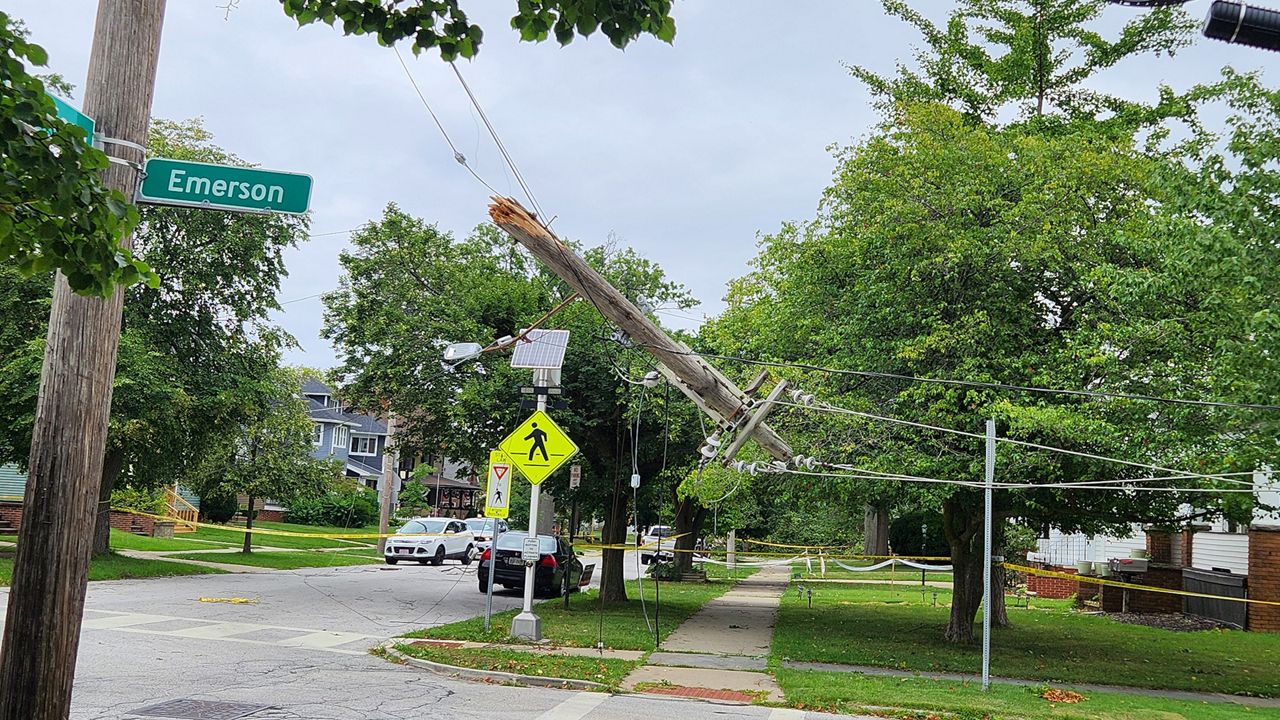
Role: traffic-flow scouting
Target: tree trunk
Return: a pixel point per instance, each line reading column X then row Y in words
column 964, row 534
column 999, row 611
column 112, row 464
column 875, row 530
column 613, row 588
column 248, row 527
column 690, row 516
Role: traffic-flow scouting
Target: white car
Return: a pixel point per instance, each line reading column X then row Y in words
column 485, row 529
column 657, row 543
column 431, row 540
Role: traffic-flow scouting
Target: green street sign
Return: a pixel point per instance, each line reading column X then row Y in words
column 224, row 187
column 74, row 116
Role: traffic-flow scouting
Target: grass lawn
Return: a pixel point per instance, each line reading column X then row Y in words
column 852, row 693
column 119, row 567
column 282, row 560
column 606, row 671
column 624, row 626
column 121, row 540
column 889, row 627
column 235, row 534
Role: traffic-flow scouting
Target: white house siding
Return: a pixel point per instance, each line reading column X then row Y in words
column 1220, row 550
column 1067, row 550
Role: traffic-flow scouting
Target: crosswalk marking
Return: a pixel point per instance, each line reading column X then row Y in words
column 576, row 707
column 226, row 631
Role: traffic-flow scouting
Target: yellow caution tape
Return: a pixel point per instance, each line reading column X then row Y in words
column 269, row 531
column 793, row 547
column 232, row 600
column 1131, row 586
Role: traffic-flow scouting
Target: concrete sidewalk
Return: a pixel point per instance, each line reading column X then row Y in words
column 721, row 651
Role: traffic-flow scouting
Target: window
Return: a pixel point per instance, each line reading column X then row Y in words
column 364, row 445
column 340, row 436
column 422, row 527
column 317, row 435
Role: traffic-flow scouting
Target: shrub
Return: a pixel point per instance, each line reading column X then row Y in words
column 147, row 501
column 219, row 506
column 353, row 507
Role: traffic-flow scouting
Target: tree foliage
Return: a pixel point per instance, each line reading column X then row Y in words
column 445, row 27
column 55, row 212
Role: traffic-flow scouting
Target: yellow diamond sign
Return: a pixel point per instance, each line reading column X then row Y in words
column 538, row 447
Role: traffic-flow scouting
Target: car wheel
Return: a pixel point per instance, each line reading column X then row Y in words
column 439, row 557
column 469, row 555
column 392, row 561
column 645, row 559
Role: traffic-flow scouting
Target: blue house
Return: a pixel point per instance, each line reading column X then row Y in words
column 357, row 439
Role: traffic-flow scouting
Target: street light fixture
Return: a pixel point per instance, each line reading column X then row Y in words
column 1231, row 22
column 458, row 353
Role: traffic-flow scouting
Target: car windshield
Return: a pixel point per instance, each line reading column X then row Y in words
column 514, row 541
column 483, row 526
column 422, row 527
column 660, row 531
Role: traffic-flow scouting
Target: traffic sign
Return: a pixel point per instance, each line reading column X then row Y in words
column 575, row 476
column 531, row 549
column 538, row 447
column 497, row 494
column 224, row 187
column 66, row 113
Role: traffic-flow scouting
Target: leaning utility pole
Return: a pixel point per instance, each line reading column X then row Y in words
column 46, row 599
column 702, row 383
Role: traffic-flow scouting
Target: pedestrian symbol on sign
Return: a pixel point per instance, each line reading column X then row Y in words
column 498, row 493
column 539, row 438
column 538, row 447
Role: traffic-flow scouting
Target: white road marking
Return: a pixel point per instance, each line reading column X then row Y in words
column 787, row 714
column 576, row 707
column 202, row 629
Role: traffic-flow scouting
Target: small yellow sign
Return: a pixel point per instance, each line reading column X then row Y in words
column 538, row 447
column 497, row 494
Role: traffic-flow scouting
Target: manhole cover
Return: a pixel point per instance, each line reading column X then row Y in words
column 200, row 710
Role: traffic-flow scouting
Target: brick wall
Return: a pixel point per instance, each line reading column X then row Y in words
column 1188, row 537
column 11, row 513
column 1163, row 576
column 1160, row 546
column 1053, row 588
column 129, row 523
column 270, row 515
column 1264, row 577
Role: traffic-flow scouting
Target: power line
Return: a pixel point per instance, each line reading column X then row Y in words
column 457, row 154
column 502, row 148
column 988, row 385
column 824, row 407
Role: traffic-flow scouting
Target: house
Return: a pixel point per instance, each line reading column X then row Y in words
column 360, row 441
column 357, row 439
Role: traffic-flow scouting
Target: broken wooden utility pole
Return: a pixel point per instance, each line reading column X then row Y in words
column 390, row 473
column 702, row 383
column 46, row 599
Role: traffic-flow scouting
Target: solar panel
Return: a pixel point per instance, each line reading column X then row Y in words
column 540, row 350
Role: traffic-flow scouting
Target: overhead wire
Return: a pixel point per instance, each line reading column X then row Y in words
column 979, row 384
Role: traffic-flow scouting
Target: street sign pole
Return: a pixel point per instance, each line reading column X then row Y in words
column 527, row 625
column 986, row 556
column 497, row 495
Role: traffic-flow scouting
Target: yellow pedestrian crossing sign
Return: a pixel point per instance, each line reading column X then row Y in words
column 538, row 447
column 497, row 493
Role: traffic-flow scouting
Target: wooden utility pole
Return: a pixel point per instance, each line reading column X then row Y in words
column 46, row 599
column 705, row 385
column 390, row 470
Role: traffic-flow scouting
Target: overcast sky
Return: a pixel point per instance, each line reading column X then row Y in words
column 686, row 153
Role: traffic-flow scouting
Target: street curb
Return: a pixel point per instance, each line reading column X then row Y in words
column 489, row 676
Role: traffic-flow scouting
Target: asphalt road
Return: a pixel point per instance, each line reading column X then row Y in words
column 301, row 650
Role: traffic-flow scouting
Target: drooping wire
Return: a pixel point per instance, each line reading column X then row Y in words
column 457, row 154
column 974, row 383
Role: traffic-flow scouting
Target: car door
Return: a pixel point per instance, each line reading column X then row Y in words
column 457, row 541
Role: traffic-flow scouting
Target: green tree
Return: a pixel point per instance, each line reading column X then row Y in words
column 55, row 213
column 271, row 455
column 444, row 25
column 955, row 250
column 409, row 289
column 189, row 345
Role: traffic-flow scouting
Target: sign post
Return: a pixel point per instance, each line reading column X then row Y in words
column 537, row 447
column 224, row 187
column 497, row 504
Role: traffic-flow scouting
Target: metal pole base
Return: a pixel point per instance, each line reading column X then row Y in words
column 527, row 626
